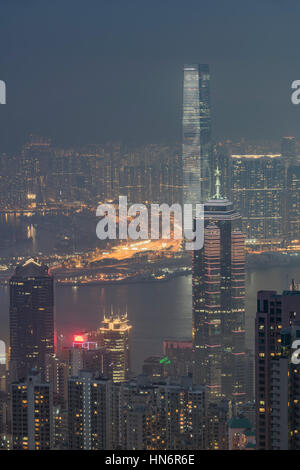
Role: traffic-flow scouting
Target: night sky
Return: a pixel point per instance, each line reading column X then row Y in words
column 89, row 71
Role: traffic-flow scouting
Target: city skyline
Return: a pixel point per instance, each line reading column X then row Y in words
column 149, row 228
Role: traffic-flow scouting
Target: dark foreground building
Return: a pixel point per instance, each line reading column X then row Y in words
column 31, row 318
column 277, row 373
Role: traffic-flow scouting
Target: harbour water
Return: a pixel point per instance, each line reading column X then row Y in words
column 156, row 310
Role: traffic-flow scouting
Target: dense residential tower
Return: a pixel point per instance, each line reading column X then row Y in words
column 31, row 414
column 218, row 303
column 89, row 412
column 258, row 192
column 31, row 317
column 293, row 203
column 162, row 416
column 196, row 150
column 276, row 378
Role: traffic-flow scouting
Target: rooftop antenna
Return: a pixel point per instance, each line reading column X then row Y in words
column 218, row 184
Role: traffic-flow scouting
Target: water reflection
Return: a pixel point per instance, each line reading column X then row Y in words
column 156, row 311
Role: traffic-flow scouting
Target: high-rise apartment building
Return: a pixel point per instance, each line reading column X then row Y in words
column 216, row 429
column 166, row 414
column 258, row 193
column 31, row 402
column 288, row 399
column 89, row 412
column 56, row 373
column 218, row 303
column 293, row 203
column 31, row 318
column 276, row 378
column 196, row 139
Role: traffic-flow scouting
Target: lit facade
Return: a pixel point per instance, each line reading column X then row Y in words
column 288, row 149
column 276, row 378
column 162, row 416
column 218, row 304
column 258, row 189
column 31, row 414
column 31, row 318
column 196, row 139
column 89, row 412
column 293, row 203
column 115, row 338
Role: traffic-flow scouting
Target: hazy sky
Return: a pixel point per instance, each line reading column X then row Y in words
column 84, row 71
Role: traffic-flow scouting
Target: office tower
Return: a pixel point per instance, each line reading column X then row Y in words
column 196, row 139
column 258, row 190
column 89, row 412
column 31, row 317
column 275, row 313
column 31, row 414
column 288, row 149
column 293, row 203
column 218, row 303
column 115, row 337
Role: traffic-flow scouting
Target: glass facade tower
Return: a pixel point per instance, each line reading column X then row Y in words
column 196, row 139
column 218, row 304
column 31, row 317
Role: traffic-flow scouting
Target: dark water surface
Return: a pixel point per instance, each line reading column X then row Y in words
column 156, row 310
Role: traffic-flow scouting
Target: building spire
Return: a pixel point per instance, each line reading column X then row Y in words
column 218, row 184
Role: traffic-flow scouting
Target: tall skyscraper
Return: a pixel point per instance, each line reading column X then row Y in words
column 31, row 414
column 218, row 303
column 115, row 338
column 276, row 378
column 196, row 139
column 31, row 317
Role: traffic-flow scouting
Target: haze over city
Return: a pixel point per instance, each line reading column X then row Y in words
column 119, row 119
column 112, row 70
